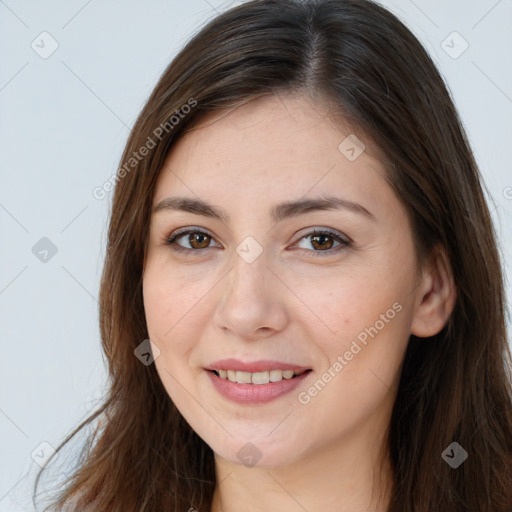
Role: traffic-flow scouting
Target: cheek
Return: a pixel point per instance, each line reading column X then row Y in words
column 362, row 368
column 351, row 305
column 163, row 310
column 369, row 320
column 166, row 303
column 176, row 316
column 170, row 298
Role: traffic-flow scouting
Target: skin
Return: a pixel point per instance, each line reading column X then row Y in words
column 288, row 305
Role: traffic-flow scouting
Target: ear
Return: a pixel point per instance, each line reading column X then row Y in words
column 436, row 295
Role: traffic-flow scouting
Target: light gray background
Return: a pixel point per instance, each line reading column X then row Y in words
column 64, row 122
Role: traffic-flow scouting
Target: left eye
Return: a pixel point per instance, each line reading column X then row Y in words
column 321, row 240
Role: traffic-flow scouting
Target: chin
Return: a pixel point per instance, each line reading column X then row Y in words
column 260, row 453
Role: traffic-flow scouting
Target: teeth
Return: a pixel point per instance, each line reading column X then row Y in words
column 276, row 375
column 260, row 378
column 243, row 377
column 257, row 377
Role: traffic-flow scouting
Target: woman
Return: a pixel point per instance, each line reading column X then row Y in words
column 298, row 226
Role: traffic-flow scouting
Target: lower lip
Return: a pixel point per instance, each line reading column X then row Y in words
column 255, row 393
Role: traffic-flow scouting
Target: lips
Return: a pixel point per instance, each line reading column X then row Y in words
column 257, row 381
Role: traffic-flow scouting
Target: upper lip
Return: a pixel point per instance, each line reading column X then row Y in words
column 253, row 366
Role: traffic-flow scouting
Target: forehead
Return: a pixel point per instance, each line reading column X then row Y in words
column 273, row 148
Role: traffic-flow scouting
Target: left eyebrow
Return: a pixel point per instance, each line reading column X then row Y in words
column 278, row 212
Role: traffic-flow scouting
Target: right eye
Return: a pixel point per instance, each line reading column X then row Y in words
column 196, row 236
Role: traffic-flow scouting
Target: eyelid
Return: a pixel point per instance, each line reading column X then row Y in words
column 187, row 229
column 323, row 230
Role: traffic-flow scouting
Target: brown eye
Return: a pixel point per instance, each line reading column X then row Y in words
column 321, row 241
column 202, row 239
column 196, row 240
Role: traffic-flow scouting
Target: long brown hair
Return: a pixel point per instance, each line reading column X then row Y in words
column 454, row 387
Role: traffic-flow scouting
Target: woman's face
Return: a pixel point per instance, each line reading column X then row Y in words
column 253, row 291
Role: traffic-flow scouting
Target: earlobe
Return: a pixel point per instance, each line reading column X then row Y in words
column 436, row 296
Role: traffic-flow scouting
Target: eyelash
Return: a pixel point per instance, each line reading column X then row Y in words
column 345, row 243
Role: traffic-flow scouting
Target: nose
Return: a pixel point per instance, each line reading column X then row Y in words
column 251, row 304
